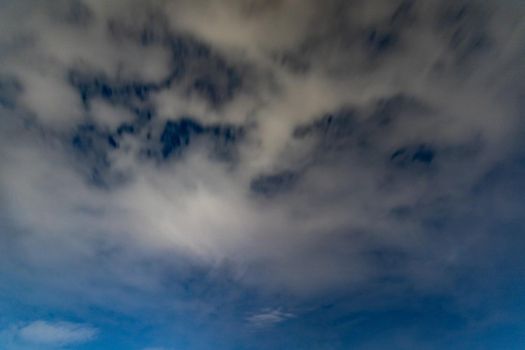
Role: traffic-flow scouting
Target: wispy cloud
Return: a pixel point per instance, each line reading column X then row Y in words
column 268, row 318
column 56, row 333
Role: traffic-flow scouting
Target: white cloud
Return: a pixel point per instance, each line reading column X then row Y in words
column 268, row 318
column 56, row 333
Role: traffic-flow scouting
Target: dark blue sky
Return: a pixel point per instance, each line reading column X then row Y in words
column 262, row 174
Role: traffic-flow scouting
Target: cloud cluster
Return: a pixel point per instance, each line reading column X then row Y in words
column 308, row 146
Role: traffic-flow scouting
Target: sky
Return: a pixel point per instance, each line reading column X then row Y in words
column 262, row 174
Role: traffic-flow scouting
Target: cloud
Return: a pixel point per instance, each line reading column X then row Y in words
column 44, row 333
column 268, row 318
column 355, row 119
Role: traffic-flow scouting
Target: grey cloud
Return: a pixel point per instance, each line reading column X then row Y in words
column 354, row 150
